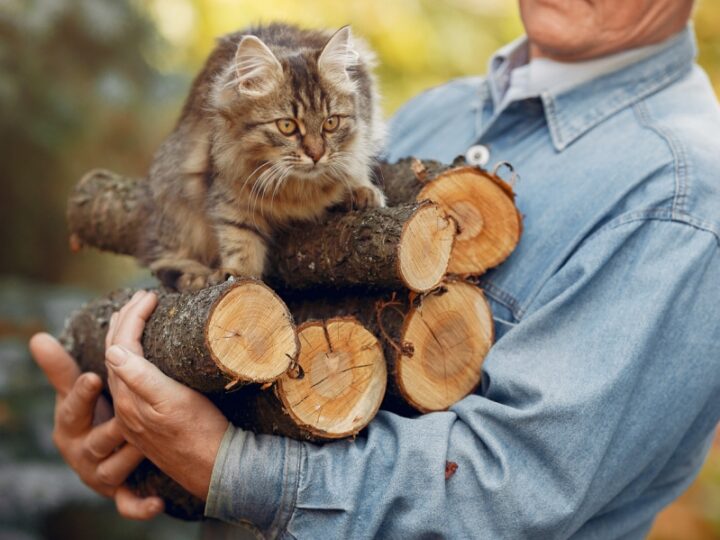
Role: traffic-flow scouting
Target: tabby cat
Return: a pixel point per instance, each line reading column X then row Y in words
column 280, row 125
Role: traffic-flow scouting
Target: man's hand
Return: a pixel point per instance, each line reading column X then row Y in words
column 97, row 453
column 177, row 428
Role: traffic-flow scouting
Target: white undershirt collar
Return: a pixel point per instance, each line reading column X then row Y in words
column 513, row 78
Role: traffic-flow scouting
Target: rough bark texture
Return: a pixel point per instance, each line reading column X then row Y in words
column 403, row 180
column 351, row 379
column 174, row 338
column 351, row 249
column 108, row 211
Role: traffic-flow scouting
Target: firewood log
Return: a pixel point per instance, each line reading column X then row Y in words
column 404, row 247
column 235, row 332
column 482, row 204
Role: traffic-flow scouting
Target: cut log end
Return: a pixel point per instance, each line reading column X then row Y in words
column 451, row 332
column 425, row 247
column 341, row 378
column 250, row 334
column 489, row 225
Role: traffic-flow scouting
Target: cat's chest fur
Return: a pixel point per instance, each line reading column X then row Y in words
column 298, row 199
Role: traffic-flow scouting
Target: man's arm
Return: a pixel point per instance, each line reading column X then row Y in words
column 587, row 401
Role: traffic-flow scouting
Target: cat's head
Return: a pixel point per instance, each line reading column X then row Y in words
column 302, row 108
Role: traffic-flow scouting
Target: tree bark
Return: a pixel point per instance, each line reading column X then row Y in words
column 482, row 204
column 385, row 248
column 108, row 211
column 233, row 332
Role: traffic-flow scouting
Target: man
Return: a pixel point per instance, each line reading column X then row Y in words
column 601, row 394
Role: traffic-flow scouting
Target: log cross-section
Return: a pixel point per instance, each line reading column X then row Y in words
column 235, row 332
column 446, row 337
column 340, row 379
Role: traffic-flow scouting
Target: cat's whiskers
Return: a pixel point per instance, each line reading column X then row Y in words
column 263, row 181
column 257, row 169
column 278, row 184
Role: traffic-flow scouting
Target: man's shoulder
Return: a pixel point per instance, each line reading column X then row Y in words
column 686, row 117
column 450, row 106
column 454, row 91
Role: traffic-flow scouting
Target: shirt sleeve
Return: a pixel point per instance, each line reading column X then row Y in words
column 585, row 405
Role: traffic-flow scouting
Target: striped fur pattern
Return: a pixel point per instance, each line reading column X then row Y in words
column 280, row 125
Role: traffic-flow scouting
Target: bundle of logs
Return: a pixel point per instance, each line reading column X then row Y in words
column 368, row 308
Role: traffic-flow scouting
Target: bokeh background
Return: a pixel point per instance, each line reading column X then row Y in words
column 98, row 83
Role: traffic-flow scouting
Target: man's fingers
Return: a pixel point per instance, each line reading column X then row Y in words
column 112, row 327
column 115, row 469
column 103, row 439
column 116, row 317
column 59, row 367
column 74, row 414
column 140, row 376
column 131, row 506
column 131, row 321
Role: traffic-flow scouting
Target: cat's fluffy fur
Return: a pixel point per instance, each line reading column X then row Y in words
column 227, row 177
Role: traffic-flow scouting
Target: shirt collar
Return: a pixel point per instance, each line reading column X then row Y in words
column 610, row 83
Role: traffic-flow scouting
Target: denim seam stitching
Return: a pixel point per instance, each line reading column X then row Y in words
column 663, row 215
column 502, row 297
column 650, row 214
column 678, row 154
column 287, row 507
column 292, row 506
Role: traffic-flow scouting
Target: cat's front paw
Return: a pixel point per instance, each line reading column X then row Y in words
column 367, row 197
column 190, row 281
column 195, row 282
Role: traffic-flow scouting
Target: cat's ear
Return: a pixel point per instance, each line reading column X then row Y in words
column 337, row 57
column 257, row 69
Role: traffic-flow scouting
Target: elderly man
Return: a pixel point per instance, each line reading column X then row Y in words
column 600, row 397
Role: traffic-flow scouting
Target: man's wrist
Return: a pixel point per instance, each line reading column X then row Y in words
column 254, row 479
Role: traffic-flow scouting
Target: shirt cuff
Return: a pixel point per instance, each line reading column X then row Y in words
column 255, row 480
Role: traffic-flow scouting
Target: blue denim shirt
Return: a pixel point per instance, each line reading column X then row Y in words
column 600, row 396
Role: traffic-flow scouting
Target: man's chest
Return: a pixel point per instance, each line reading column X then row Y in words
column 564, row 197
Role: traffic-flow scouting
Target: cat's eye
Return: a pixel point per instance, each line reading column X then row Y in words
column 286, row 126
column 331, row 123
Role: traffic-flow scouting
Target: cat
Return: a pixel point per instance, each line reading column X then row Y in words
column 281, row 124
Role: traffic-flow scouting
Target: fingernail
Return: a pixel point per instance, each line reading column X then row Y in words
column 156, row 506
column 138, row 294
column 116, row 355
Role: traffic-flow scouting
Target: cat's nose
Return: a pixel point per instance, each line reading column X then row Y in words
column 315, row 149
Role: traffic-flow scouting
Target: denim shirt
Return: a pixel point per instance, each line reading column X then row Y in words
column 601, row 394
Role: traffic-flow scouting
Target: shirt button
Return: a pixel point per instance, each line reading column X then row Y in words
column 478, row 155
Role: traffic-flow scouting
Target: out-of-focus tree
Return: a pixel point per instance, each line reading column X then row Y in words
column 75, row 92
